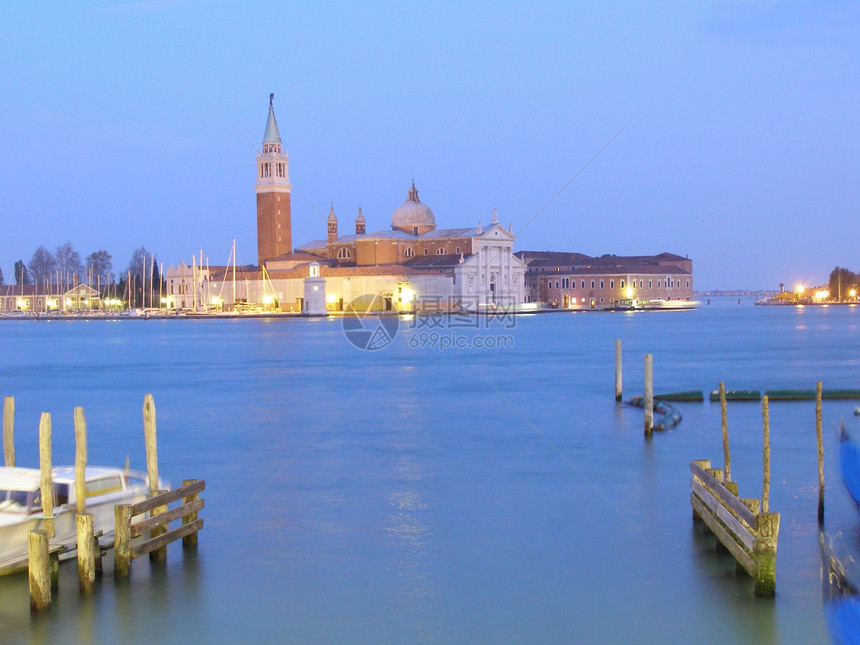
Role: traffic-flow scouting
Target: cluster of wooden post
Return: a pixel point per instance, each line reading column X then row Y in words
column 42, row 559
column 158, row 508
column 43, row 562
column 745, row 527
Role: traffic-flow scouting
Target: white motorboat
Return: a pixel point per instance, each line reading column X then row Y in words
column 21, row 504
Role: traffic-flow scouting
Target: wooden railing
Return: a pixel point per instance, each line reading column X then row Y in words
column 749, row 535
column 156, row 525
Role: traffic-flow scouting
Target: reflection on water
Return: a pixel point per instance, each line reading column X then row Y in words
column 408, row 495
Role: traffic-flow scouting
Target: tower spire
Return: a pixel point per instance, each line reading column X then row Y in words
column 272, row 135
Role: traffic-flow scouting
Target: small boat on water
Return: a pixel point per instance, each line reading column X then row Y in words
column 849, row 462
column 21, row 504
column 839, row 590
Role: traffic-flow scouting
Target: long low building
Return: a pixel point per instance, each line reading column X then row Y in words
column 49, row 298
column 577, row 281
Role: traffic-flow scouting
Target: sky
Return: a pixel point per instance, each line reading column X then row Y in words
column 723, row 131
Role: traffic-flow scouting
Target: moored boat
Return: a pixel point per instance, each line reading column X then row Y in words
column 849, row 462
column 21, row 504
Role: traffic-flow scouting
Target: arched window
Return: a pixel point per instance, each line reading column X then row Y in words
column 441, row 251
column 426, row 251
column 344, row 253
column 409, row 252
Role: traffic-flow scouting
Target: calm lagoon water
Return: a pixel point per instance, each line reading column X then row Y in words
column 417, row 495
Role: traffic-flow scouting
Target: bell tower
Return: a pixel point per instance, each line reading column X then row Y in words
column 274, row 232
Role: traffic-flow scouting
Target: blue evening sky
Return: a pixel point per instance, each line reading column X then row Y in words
column 124, row 123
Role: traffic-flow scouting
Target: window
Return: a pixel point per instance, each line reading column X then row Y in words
column 344, row 253
column 640, row 284
column 556, row 284
column 688, row 284
column 658, row 284
column 426, row 251
column 103, row 486
column 457, row 250
column 612, row 284
column 441, row 251
column 622, row 284
column 409, row 252
column 583, row 284
column 601, row 285
column 650, row 284
column 592, row 284
column 415, row 231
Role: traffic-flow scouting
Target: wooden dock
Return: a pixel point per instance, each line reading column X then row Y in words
column 43, row 551
column 748, row 534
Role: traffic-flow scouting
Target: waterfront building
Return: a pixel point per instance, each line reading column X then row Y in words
column 35, row 299
column 577, row 281
column 412, row 266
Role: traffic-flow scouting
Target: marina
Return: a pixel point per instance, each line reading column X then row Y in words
column 420, row 495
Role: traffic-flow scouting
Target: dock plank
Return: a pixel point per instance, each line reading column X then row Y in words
column 716, row 487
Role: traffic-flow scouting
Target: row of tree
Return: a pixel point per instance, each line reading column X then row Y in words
column 841, row 282
column 64, row 266
column 140, row 284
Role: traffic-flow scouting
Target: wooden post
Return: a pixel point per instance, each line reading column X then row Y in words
column 122, row 540
column 9, row 430
column 159, row 554
column 767, row 531
column 45, row 479
column 765, row 493
column 727, row 458
column 618, row 395
column 39, row 570
column 820, row 453
column 649, row 394
column 151, row 445
column 80, row 461
column 189, row 541
column 86, row 552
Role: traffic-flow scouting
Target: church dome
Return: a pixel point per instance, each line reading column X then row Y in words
column 412, row 213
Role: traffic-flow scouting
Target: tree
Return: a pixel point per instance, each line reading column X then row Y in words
column 841, row 282
column 68, row 262
column 143, row 291
column 42, row 266
column 99, row 266
column 135, row 265
column 22, row 276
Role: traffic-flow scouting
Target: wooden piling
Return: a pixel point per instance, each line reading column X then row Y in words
column 84, row 524
column 618, row 395
column 765, row 493
column 39, row 570
column 45, row 479
column 727, row 458
column 80, row 461
column 9, row 431
column 122, row 540
column 767, row 530
column 189, row 541
column 159, row 554
column 820, row 453
column 151, row 444
column 649, row 394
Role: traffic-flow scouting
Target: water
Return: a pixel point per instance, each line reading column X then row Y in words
column 417, row 495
